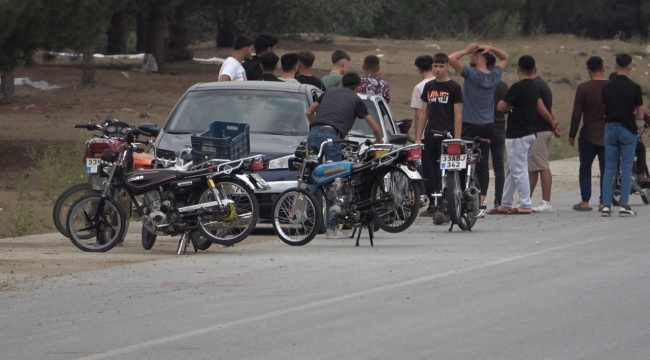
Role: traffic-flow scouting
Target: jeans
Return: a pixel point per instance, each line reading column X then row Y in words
column 482, row 168
column 332, row 153
column 620, row 143
column 498, row 149
column 431, row 168
column 517, row 171
column 587, row 153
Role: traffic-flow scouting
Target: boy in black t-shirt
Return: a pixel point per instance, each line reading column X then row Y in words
column 522, row 102
column 442, row 111
column 305, row 62
column 623, row 101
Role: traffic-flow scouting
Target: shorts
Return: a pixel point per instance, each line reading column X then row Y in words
column 540, row 152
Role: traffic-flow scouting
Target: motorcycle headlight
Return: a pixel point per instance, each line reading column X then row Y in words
column 280, row 163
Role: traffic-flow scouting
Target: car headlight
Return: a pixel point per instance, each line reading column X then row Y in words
column 280, row 163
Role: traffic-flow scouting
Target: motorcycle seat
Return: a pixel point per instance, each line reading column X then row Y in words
column 356, row 167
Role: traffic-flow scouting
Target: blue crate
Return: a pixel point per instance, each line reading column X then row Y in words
column 224, row 140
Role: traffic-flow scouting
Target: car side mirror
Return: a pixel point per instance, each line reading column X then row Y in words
column 149, row 129
column 398, row 139
column 404, row 125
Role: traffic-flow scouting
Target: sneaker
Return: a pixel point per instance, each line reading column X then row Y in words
column 336, row 234
column 440, row 218
column 605, row 212
column 544, row 207
column 626, row 212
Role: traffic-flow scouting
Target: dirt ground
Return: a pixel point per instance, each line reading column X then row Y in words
column 38, row 118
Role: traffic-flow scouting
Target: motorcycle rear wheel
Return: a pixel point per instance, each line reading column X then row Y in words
column 231, row 227
column 63, row 203
column 106, row 225
column 400, row 212
column 454, row 197
column 297, row 217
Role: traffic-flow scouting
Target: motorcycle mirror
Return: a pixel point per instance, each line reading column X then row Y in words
column 149, row 129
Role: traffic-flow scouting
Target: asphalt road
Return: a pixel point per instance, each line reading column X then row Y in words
column 565, row 285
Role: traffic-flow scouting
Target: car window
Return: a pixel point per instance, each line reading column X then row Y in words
column 274, row 112
column 361, row 127
column 388, row 125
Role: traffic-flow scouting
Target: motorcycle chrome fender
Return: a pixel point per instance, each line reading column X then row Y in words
column 411, row 174
column 254, row 181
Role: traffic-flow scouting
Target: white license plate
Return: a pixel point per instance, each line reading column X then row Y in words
column 259, row 180
column 453, row 162
column 91, row 165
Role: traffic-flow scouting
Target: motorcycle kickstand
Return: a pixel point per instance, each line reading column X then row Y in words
column 353, row 233
column 358, row 235
column 371, row 234
column 182, row 244
column 451, row 227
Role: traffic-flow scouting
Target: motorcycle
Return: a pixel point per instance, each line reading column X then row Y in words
column 211, row 200
column 460, row 189
column 109, row 139
column 380, row 189
column 639, row 187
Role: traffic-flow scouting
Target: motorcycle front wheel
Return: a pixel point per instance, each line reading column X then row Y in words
column 297, row 217
column 236, row 219
column 96, row 224
column 398, row 197
column 454, row 197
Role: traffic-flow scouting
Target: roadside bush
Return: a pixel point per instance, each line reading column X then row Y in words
column 56, row 169
column 21, row 219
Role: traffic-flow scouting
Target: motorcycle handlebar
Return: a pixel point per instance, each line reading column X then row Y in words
column 89, row 126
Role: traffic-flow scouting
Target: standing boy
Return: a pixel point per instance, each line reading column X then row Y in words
column 523, row 102
column 623, row 104
column 289, row 63
column 232, row 69
column 305, row 62
column 498, row 143
column 341, row 62
column 478, row 92
column 371, row 83
column 263, row 43
column 540, row 152
column 588, row 107
column 442, row 108
column 269, row 63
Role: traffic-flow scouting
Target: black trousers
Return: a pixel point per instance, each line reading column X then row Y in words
column 482, row 168
column 498, row 151
column 431, row 168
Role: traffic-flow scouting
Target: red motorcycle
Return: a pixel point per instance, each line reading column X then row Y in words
column 112, row 132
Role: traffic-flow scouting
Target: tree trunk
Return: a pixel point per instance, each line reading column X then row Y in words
column 141, row 31
column 88, row 70
column 225, row 28
column 179, row 41
column 157, row 25
column 116, row 34
column 7, row 87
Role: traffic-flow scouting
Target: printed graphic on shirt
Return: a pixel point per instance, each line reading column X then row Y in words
column 441, row 97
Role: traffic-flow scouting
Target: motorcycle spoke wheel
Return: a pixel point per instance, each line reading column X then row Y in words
column 399, row 200
column 297, row 217
column 63, row 204
column 236, row 219
column 96, row 228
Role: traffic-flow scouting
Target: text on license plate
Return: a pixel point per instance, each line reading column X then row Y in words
column 453, row 161
column 91, row 165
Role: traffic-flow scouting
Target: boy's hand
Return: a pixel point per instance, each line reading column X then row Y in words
column 472, row 48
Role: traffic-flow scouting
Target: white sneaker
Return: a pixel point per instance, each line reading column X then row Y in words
column 336, row 234
column 544, row 207
column 626, row 212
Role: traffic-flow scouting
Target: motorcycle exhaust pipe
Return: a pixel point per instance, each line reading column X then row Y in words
column 471, row 193
column 204, row 205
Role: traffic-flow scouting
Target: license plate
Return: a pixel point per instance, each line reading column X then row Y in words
column 453, row 162
column 91, row 165
column 259, row 180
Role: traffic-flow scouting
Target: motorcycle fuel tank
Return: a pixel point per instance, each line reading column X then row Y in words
column 327, row 172
column 141, row 181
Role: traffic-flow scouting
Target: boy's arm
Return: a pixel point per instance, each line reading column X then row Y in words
column 503, row 107
column 576, row 116
column 379, row 138
column 454, row 59
column 419, row 121
column 541, row 109
column 312, row 110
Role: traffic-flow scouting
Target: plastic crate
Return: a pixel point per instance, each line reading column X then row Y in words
column 224, row 140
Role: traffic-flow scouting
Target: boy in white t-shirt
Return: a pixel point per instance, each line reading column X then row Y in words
column 232, row 69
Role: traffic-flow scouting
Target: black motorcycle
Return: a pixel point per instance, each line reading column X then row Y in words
column 212, row 201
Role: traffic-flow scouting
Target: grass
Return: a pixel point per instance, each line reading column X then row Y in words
column 560, row 148
column 56, row 169
column 21, row 219
column 563, row 80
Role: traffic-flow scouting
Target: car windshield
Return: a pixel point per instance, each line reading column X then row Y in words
column 275, row 112
column 361, row 127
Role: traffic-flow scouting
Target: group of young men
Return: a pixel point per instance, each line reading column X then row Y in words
column 519, row 120
column 478, row 108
